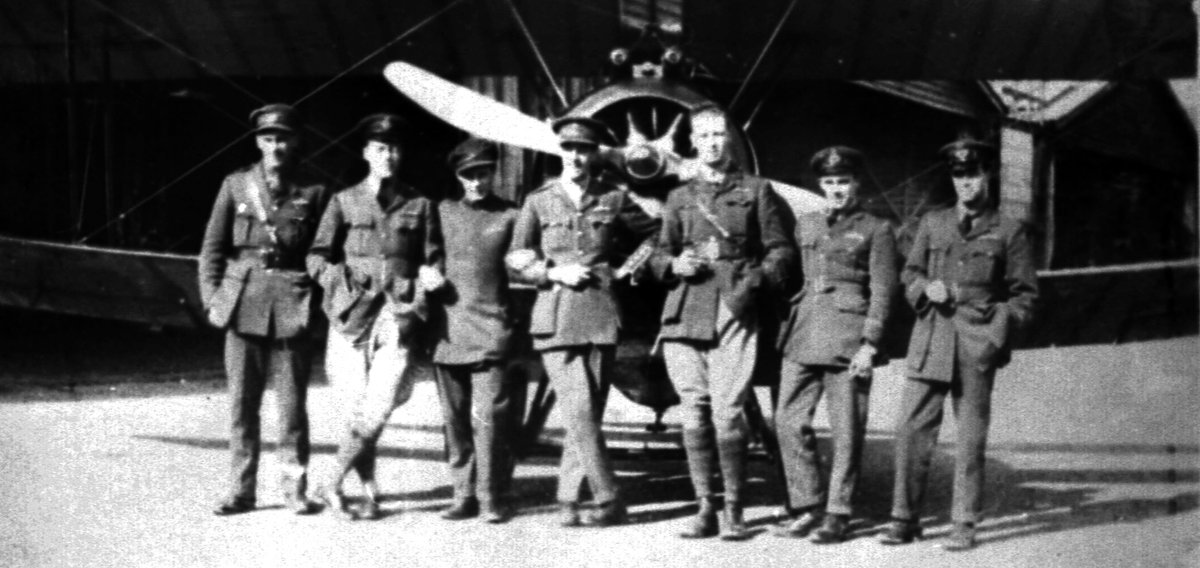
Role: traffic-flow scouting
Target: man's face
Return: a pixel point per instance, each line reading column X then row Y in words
column 841, row 191
column 383, row 158
column 710, row 138
column 577, row 160
column 277, row 148
column 970, row 185
column 477, row 182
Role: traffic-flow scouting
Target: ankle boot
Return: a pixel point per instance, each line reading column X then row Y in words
column 704, row 524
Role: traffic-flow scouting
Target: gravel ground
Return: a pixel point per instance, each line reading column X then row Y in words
column 113, row 446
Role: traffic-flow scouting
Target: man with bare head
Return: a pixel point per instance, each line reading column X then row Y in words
column 723, row 247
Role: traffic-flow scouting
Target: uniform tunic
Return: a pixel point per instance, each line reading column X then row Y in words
column 955, row 349
column 253, row 284
column 850, row 272
column 473, row 333
column 475, row 324
column 709, row 332
column 366, row 255
column 576, row 329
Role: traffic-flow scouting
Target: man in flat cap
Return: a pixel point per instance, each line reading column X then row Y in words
column 830, row 344
column 377, row 253
column 970, row 277
column 722, row 250
column 565, row 243
column 473, row 332
column 253, row 284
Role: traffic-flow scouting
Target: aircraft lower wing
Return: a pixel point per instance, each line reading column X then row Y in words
column 152, row 288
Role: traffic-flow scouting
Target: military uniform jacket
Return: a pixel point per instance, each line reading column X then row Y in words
column 754, row 257
column 553, row 229
column 993, row 286
column 850, row 280
column 472, row 323
column 368, row 249
column 252, row 276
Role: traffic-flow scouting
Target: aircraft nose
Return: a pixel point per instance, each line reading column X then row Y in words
column 644, row 163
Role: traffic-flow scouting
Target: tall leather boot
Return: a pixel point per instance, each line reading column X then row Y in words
column 733, row 470
column 700, row 445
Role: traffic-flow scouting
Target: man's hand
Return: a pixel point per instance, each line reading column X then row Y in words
column 429, row 278
column 862, row 363
column 569, row 275
column 936, row 292
column 687, row 264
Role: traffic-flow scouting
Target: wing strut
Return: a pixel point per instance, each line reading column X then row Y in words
column 763, row 54
column 562, row 97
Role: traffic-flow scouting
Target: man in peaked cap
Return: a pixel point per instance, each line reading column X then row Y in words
column 565, row 244
column 253, row 285
column 830, row 344
column 473, row 333
column 722, row 250
column 377, row 253
column 970, row 277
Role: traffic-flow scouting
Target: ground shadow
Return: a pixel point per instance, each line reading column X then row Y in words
column 1026, row 501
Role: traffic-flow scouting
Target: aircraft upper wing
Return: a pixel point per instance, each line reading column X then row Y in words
column 798, row 199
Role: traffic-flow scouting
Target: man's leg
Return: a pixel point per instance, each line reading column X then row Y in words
column 244, row 361
column 972, row 405
column 579, row 377
column 916, row 435
column 491, row 406
column 290, row 368
column 847, row 404
column 688, row 370
column 731, row 366
column 800, row 389
column 454, row 389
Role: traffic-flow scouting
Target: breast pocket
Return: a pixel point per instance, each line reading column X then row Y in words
column 982, row 261
column 404, row 235
column 361, row 239
column 243, row 228
column 557, row 236
column 293, row 228
column 600, row 226
column 735, row 214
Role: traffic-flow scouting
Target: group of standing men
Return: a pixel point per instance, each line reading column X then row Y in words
column 396, row 268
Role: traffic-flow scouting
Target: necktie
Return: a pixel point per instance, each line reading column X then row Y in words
column 964, row 224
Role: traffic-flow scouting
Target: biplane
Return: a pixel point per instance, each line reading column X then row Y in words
column 124, row 115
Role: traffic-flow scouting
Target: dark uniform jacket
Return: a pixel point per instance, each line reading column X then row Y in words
column 252, row 275
column 992, row 283
column 552, row 228
column 850, row 280
column 473, row 320
column 754, row 257
column 368, row 248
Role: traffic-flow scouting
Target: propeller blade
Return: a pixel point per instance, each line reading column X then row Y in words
column 798, row 199
column 470, row 111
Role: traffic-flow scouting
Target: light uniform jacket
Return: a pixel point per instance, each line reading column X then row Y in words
column 556, row 232
column 850, row 280
column 368, row 248
column 993, row 286
column 753, row 258
column 473, row 322
column 250, row 281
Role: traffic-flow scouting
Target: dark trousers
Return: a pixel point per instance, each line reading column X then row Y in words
column 476, row 407
column 921, row 410
column 579, row 376
column 249, row 362
column 800, row 389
